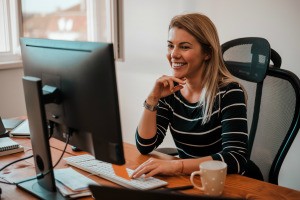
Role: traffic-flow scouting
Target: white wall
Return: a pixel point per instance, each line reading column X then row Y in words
column 275, row 20
column 12, row 101
column 146, row 24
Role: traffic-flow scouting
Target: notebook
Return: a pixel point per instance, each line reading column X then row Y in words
column 21, row 130
column 8, row 146
column 11, row 123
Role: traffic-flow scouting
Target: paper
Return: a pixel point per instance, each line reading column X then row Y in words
column 66, row 192
column 72, row 179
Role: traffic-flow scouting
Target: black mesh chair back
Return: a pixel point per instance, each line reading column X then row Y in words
column 278, row 118
column 272, row 98
column 248, row 60
column 285, row 167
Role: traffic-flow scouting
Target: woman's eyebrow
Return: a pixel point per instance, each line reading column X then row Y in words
column 181, row 43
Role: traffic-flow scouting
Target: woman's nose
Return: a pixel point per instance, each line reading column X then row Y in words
column 175, row 53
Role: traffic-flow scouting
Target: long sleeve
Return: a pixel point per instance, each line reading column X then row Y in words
column 146, row 146
column 234, row 130
column 224, row 136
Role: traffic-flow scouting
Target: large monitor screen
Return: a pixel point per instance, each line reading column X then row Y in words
column 72, row 87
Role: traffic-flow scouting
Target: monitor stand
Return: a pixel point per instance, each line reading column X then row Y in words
column 43, row 186
column 34, row 187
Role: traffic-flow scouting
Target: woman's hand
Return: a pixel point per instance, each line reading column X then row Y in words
column 155, row 166
column 164, row 86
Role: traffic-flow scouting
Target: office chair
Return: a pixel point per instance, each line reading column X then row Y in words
column 285, row 167
column 273, row 102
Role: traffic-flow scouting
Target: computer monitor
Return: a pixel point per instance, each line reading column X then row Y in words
column 72, row 87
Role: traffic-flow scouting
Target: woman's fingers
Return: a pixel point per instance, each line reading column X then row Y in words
column 146, row 168
column 176, row 88
column 152, row 172
column 156, row 166
column 168, row 82
column 137, row 172
column 165, row 86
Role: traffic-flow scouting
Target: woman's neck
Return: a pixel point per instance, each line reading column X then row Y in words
column 192, row 90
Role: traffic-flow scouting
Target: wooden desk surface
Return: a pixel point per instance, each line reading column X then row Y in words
column 235, row 185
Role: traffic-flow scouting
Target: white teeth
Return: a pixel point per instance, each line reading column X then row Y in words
column 178, row 64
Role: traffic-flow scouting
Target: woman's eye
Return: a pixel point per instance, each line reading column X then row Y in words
column 185, row 47
column 170, row 46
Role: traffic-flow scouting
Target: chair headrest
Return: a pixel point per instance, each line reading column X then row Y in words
column 276, row 59
column 247, row 58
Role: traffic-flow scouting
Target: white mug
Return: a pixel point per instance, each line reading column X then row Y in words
column 213, row 174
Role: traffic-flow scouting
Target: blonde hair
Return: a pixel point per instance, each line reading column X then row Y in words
column 215, row 73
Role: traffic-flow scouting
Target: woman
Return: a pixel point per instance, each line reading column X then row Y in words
column 201, row 103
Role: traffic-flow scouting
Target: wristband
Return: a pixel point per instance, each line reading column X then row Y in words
column 150, row 107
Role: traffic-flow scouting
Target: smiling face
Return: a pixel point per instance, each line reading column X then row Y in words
column 185, row 54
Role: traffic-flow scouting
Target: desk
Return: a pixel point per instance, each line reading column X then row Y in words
column 235, row 186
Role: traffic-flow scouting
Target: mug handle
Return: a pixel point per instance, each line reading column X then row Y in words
column 192, row 180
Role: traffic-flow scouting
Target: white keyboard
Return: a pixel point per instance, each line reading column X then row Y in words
column 103, row 169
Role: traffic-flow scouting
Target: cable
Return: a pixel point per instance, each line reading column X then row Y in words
column 51, row 126
column 64, row 151
column 42, row 175
column 8, row 183
column 15, row 162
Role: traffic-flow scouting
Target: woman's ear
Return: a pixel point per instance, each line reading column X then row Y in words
column 207, row 57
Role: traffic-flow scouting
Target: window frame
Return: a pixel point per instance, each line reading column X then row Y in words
column 114, row 24
column 117, row 28
column 12, row 58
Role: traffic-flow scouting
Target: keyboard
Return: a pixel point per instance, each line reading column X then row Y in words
column 102, row 169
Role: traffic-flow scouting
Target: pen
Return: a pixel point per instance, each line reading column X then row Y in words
column 186, row 187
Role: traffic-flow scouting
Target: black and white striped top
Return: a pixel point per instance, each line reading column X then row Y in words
column 224, row 136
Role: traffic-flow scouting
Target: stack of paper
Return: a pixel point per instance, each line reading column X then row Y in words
column 71, row 183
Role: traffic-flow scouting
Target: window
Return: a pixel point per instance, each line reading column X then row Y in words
column 81, row 20
column 9, row 34
column 66, row 20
